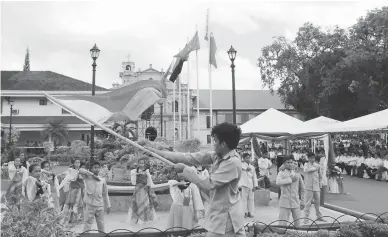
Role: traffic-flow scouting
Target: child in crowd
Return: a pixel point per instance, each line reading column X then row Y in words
column 96, row 197
column 33, row 186
column 51, row 179
column 248, row 182
column 187, row 206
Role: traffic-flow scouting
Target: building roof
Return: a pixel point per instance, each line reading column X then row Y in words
column 245, row 100
column 43, row 81
column 40, row 120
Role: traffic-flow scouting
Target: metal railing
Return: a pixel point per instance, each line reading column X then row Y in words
column 252, row 229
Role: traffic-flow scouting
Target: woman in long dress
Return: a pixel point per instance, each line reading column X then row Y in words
column 144, row 200
column 72, row 186
column 51, row 179
column 187, row 206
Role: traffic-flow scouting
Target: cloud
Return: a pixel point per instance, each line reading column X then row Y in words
column 60, row 34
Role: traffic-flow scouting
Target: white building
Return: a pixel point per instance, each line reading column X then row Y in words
column 31, row 109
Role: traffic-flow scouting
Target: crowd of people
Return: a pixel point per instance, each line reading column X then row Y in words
column 227, row 188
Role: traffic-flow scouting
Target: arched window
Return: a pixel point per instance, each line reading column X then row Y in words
column 128, row 68
column 176, row 107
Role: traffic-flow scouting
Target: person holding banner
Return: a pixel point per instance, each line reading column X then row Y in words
column 225, row 216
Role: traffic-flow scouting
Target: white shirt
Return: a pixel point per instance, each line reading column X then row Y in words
column 248, row 178
column 360, row 161
column 264, row 164
column 385, row 164
column 272, row 155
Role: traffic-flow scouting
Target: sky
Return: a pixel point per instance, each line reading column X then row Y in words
column 59, row 34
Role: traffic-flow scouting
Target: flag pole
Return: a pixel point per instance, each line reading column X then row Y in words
column 210, row 78
column 180, row 107
column 188, row 99
column 196, row 62
column 173, row 109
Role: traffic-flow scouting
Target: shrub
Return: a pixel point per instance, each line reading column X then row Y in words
column 4, row 172
column 76, row 146
column 349, row 231
column 369, row 229
column 62, row 149
column 98, row 144
column 190, row 145
column 31, row 219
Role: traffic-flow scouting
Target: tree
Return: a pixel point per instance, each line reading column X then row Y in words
column 55, row 131
column 26, row 67
column 335, row 72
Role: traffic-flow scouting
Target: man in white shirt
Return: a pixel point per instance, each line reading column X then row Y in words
column 248, row 182
column 372, row 167
column 360, row 166
column 382, row 171
column 264, row 165
column 272, row 155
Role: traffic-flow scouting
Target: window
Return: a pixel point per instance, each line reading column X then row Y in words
column 208, row 124
column 251, row 116
column 87, row 140
column 229, row 118
column 83, row 137
column 65, row 111
column 43, row 102
column 244, row 118
column 209, row 139
column 176, row 107
column 220, row 118
column 238, row 118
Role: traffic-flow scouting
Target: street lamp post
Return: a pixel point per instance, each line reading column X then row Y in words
column 10, row 124
column 94, row 52
column 232, row 56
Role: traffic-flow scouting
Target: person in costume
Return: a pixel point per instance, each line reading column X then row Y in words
column 96, row 197
column 248, row 183
column 33, row 186
column 187, row 207
column 225, row 215
column 292, row 193
column 51, row 179
column 17, row 174
column 72, row 186
column 144, row 200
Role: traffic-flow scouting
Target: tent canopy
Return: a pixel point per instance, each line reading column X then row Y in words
column 375, row 121
column 275, row 124
column 322, row 121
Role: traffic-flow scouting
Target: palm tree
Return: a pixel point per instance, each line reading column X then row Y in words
column 56, row 131
column 123, row 128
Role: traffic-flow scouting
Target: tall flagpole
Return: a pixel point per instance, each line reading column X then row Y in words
column 196, row 62
column 210, row 77
column 173, row 110
column 188, row 100
column 180, row 107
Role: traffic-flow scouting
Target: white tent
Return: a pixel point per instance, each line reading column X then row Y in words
column 375, row 121
column 322, row 121
column 273, row 123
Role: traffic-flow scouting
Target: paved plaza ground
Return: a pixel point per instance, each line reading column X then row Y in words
column 265, row 214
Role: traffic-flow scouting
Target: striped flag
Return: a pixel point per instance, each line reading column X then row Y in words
column 125, row 103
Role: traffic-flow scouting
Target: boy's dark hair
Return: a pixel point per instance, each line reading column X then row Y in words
column 44, row 163
column 95, row 163
column 245, row 154
column 288, row 157
column 310, row 154
column 228, row 133
column 32, row 167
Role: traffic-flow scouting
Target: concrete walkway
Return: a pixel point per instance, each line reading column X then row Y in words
column 264, row 214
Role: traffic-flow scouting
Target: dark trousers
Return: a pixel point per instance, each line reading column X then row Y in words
column 371, row 172
column 354, row 170
column 379, row 172
column 348, row 169
column 360, row 170
column 341, row 165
